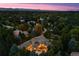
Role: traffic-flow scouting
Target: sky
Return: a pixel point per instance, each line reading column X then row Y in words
column 43, row 6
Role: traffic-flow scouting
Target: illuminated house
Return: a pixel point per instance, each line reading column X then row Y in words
column 38, row 45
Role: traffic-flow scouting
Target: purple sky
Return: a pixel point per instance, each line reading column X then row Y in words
column 44, row 6
column 67, row 4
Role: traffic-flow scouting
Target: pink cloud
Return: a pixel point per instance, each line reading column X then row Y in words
column 39, row 6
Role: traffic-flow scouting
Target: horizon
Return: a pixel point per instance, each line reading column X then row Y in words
column 43, row 6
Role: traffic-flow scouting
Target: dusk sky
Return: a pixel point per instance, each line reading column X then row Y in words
column 44, row 6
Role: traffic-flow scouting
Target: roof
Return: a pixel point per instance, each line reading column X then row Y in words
column 39, row 39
